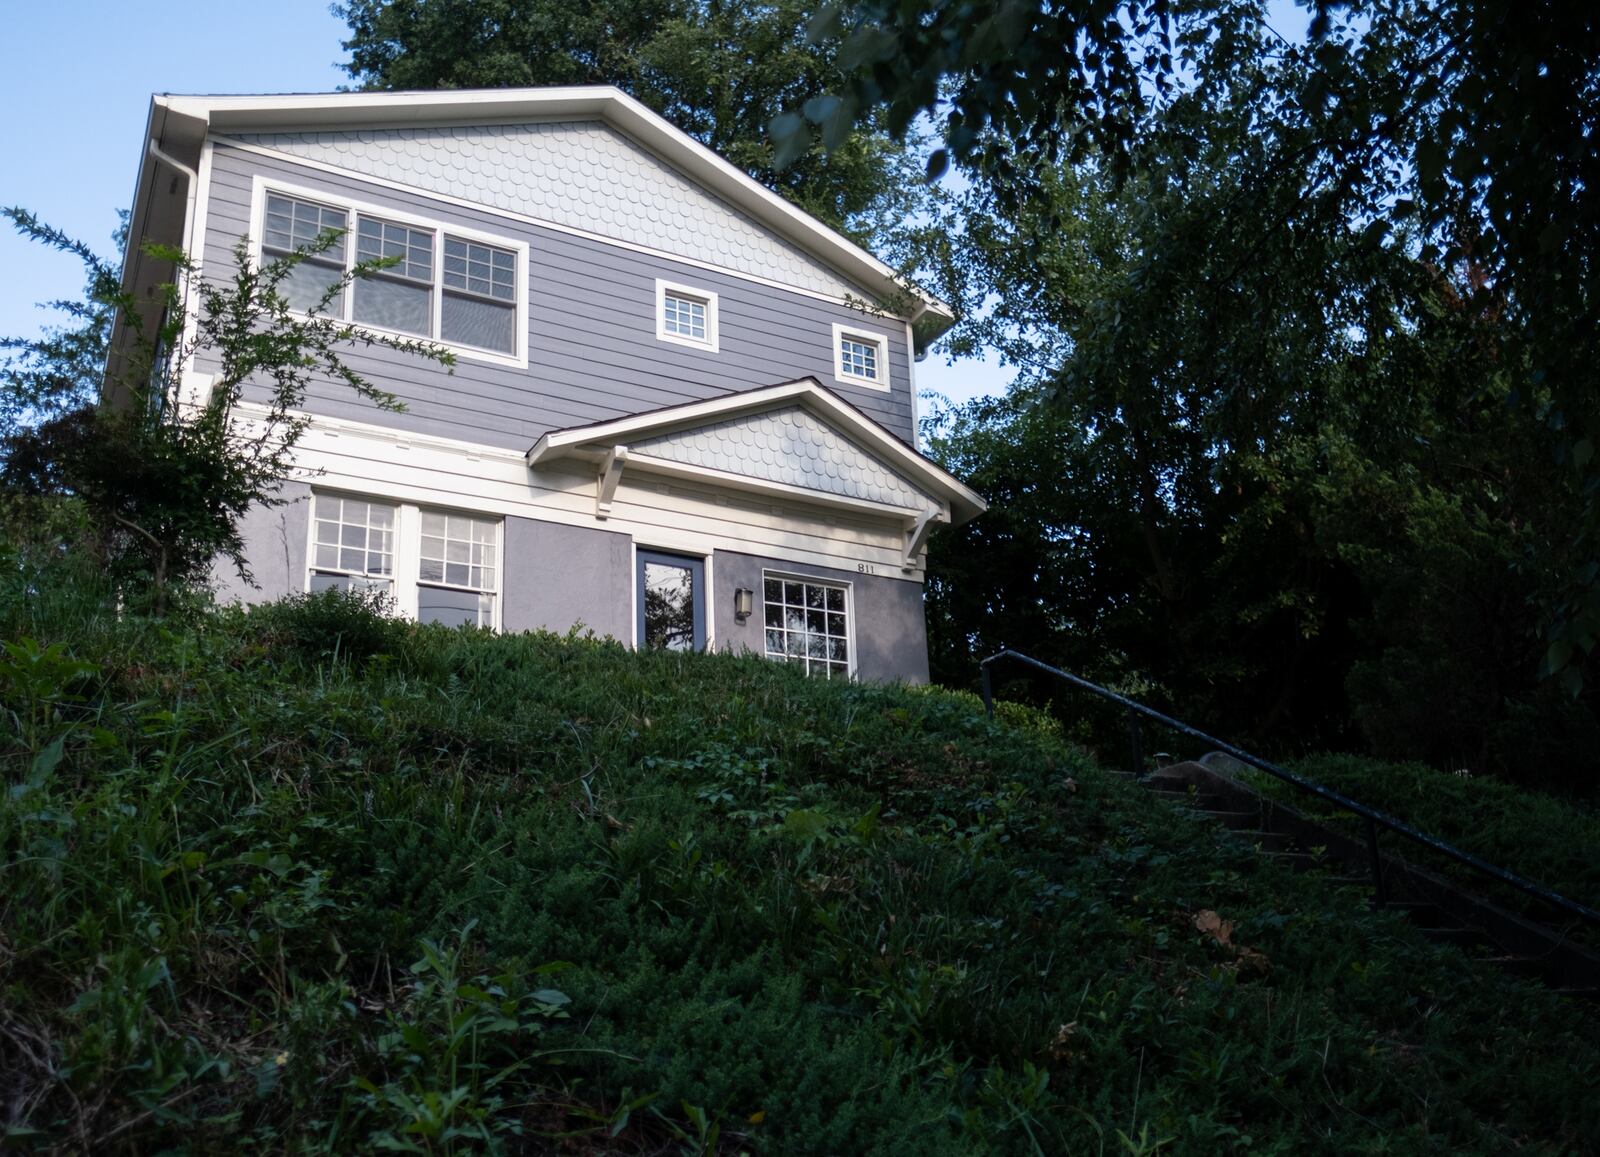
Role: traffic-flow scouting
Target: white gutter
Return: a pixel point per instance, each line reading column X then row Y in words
column 192, row 182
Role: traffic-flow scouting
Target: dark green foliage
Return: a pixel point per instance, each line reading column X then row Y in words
column 161, row 475
column 1454, row 131
column 1539, row 837
column 488, row 889
column 1272, row 479
column 332, row 624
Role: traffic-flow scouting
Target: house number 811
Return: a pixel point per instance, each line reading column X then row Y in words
column 866, row 568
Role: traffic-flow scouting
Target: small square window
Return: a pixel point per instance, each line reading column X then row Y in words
column 861, row 357
column 686, row 316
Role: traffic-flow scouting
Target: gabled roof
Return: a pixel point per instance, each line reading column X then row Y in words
column 180, row 122
column 601, row 440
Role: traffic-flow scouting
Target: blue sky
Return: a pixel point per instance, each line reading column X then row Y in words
column 79, row 78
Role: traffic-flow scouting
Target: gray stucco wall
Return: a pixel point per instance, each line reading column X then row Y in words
column 275, row 547
column 557, row 576
column 593, row 354
column 890, row 632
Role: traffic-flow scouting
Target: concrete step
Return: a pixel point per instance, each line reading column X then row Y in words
column 1202, row 800
column 1267, row 841
column 1239, row 821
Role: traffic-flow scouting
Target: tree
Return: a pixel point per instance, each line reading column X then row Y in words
column 1249, row 433
column 718, row 71
column 165, row 478
column 1446, row 122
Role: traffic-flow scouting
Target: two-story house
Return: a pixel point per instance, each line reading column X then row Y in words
column 682, row 412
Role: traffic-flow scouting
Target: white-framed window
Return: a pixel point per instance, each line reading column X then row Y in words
column 440, row 566
column 460, row 288
column 861, row 357
column 456, row 568
column 352, row 544
column 686, row 315
column 807, row 622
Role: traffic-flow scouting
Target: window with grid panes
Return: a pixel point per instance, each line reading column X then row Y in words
column 480, row 295
column 807, row 624
column 456, row 571
column 352, row 544
column 398, row 296
column 475, row 283
column 858, row 359
column 684, row 316
column 291, row 224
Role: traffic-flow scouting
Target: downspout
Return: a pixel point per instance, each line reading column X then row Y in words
column 192, row 184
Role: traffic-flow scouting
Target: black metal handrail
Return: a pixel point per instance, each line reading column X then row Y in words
column 1375, row 818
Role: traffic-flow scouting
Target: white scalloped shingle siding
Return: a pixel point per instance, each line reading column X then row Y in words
column 579, row 174
column 791, row 446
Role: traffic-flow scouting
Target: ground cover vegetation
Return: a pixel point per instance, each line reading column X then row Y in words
column 309, row 878
column 1538, row 836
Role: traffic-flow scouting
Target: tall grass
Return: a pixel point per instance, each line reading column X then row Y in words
column 438, row 891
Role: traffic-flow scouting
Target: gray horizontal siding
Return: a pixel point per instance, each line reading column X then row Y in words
column 592, row 350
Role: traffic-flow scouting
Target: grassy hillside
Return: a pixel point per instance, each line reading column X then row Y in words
column 261, row 890
column 1548, row 840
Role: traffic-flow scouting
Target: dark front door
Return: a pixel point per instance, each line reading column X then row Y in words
column 671, row 591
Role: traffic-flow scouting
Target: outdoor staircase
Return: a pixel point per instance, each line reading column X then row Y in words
column 1439, row 910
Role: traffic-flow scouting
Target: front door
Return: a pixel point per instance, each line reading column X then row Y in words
column 671, row 591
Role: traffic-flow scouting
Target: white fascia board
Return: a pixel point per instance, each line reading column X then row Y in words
column 964, row 503
column 328, row 111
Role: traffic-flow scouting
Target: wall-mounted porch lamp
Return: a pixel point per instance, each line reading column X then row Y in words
column 744, row 603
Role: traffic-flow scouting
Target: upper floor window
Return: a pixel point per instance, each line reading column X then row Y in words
column 293, row 224
column 686, row 316
column 861, row 357
column 441, row 284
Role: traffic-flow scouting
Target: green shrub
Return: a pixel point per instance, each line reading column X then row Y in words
column 353, row 624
